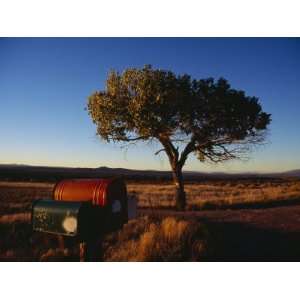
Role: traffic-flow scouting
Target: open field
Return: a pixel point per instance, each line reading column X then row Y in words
column 17, row 196
column 163, row 235
column 217, row 194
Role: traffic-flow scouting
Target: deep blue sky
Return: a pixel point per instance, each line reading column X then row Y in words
column 44, row 85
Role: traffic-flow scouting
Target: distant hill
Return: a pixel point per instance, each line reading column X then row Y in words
column 43, row 173
column 292, row 173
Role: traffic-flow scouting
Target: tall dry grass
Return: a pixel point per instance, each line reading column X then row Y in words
column 216, row 194
column 16, row 197
column 169, row 239
column 143, row 239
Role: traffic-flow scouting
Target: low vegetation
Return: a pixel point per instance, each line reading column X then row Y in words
column 144, row 239
column 169, row 239
column 217, row 194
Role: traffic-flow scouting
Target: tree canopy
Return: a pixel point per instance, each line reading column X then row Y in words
column 204, row 116
column 210, row 118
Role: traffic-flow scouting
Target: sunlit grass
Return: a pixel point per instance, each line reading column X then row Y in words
column 199, row 195
column 143, row 239
column 169, row 239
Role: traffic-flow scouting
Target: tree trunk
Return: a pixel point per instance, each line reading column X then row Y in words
column 179, row 188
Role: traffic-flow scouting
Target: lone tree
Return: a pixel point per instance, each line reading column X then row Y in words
column 204, row 117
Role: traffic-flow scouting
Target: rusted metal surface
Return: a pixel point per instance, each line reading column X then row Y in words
column 99, row 191
column 110, row 194
column 84, row 209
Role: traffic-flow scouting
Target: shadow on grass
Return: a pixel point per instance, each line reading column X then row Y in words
column 222, row 206
column 233, row 241
column 250, row 205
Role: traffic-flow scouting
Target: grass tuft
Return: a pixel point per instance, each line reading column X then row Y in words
column 169, row 239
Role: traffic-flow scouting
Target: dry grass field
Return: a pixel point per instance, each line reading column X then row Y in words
column 144, row 239
column 217, row 194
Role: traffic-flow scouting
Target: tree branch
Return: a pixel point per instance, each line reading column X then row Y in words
column 126, row 139
column 190, row 147
column 171, row 151
column 159, row 151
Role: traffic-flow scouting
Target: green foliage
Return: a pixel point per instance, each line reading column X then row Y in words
column 205, row 115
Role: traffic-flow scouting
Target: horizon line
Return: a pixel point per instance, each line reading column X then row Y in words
column 151, row 170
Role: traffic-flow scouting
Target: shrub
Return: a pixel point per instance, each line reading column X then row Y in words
column 169, row 239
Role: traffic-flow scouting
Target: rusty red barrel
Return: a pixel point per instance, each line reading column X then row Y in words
column 108, row 195
column 100, row 192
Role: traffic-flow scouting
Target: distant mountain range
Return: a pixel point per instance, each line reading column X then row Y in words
column 44, row 173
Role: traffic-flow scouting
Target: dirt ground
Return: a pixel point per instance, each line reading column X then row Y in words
column 264, row 234
column 250, row 231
